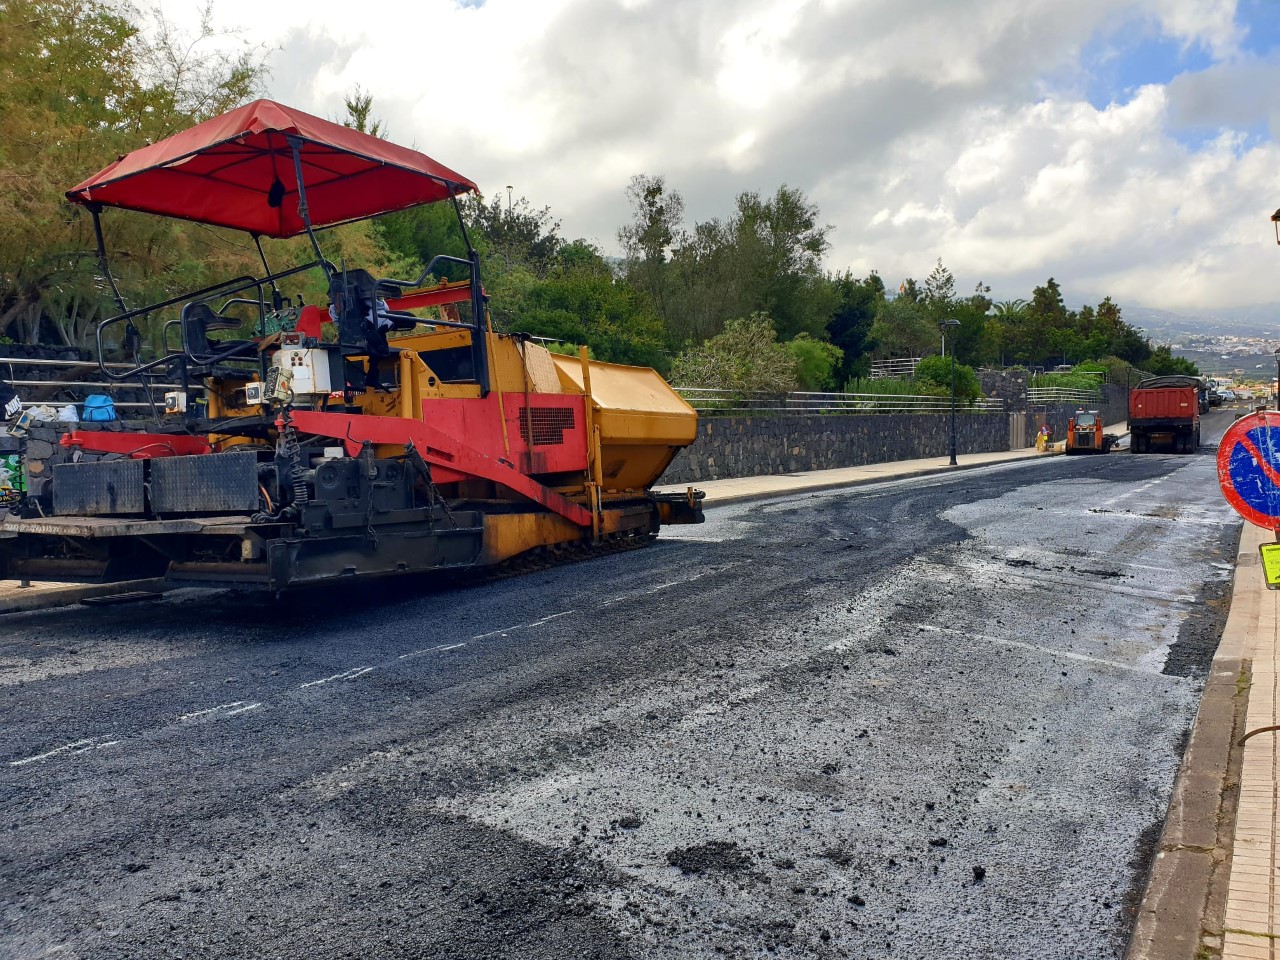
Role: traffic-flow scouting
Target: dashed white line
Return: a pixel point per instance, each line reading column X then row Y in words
column 78, row 747
column 252, row 706
column 423, row 653
column 1035, row 648
column 205, row 713
column 522, row 626
column 345, row 675
column 664, row 586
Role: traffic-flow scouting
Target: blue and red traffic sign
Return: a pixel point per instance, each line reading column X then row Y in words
column 1249, row 468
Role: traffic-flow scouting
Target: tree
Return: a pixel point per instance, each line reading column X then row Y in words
column 359, row 106
column 81, row 84
column 902, row 328
column 939, row 290
column 781, row 244
column 657, row 215
column 516, row 232
column 816, row 362
column 851, row 322
column 1163, row 363
column 745, row 356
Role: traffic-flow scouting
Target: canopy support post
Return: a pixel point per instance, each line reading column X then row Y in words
column 132, row 335
column 304, row 211
column 95, row 209
column 479, row 314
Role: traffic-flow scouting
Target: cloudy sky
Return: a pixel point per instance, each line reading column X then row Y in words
column 1125, row 147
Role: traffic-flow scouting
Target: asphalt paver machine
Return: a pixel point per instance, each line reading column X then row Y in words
column 416, row 439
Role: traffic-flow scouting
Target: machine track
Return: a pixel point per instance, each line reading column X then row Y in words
column 561, row 554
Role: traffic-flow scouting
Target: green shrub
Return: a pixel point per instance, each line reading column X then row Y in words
column 937, row 371
column 816, row 361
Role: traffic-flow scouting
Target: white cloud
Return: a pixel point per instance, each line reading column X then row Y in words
column 922, row 128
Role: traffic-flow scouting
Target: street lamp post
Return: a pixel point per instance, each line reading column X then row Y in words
column 943, row 325
column 1278, row 373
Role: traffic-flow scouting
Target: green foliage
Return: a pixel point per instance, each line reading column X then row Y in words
column 1162, row 363
column 617, row 323
column 745, row 356
column 80, row 84
column 1114, row 370
column 903, row 328
column 816, row 362
column 936, row 371
column 1066, row 380
column 887, row 386
column 765, row 257
column 850, row 325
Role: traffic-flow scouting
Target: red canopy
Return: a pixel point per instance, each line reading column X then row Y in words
column 222, row 172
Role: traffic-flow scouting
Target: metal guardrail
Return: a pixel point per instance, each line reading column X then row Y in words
column 903, row 368
column 1062, row 395
column 710, row 400
column 83, row 387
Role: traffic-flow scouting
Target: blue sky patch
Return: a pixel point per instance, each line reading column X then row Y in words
column 1118, row 64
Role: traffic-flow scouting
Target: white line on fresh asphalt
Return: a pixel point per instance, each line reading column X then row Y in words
column 345, row 675
column 205, row 713
column 522, row 626
column 634, row 595
column 252, row 706
column 423, row 653
column 79, row 747
column 1135, row 491
column 1035, row 648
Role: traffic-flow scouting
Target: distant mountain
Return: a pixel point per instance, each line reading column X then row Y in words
column 1165, row 326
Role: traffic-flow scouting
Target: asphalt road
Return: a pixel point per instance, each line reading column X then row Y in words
column 934, row 718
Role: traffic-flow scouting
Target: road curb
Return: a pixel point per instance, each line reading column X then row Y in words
column 18, row 600
column 1182, row 909
column 718, row 500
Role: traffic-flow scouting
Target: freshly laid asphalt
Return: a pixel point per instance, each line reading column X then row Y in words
column 940, row 716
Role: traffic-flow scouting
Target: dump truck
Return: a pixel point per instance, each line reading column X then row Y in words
column 1164, row 412
column 394, row 433
column 1084, row 434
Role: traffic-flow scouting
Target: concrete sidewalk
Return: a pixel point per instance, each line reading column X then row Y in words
column 739, row 489
column 1251, row 928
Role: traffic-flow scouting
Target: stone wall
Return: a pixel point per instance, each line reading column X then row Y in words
column 1007, row 385
column 756, row 446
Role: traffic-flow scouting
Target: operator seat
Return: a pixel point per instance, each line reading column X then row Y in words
column 198, row 321
column 362, row 326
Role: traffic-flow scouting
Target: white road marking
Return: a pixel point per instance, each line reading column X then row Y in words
column 1035, row 648
column 665, row 586
column 422, row 653
column 345, row 675
column 109, row 743
column 78, row 747
column 1135, row 491
column 252, row 706
column 522, row 626
column 205, row 713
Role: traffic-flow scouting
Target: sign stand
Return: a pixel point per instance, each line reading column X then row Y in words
column 1249, row 474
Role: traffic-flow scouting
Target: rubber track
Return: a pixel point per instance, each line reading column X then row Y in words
column 560, row 554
